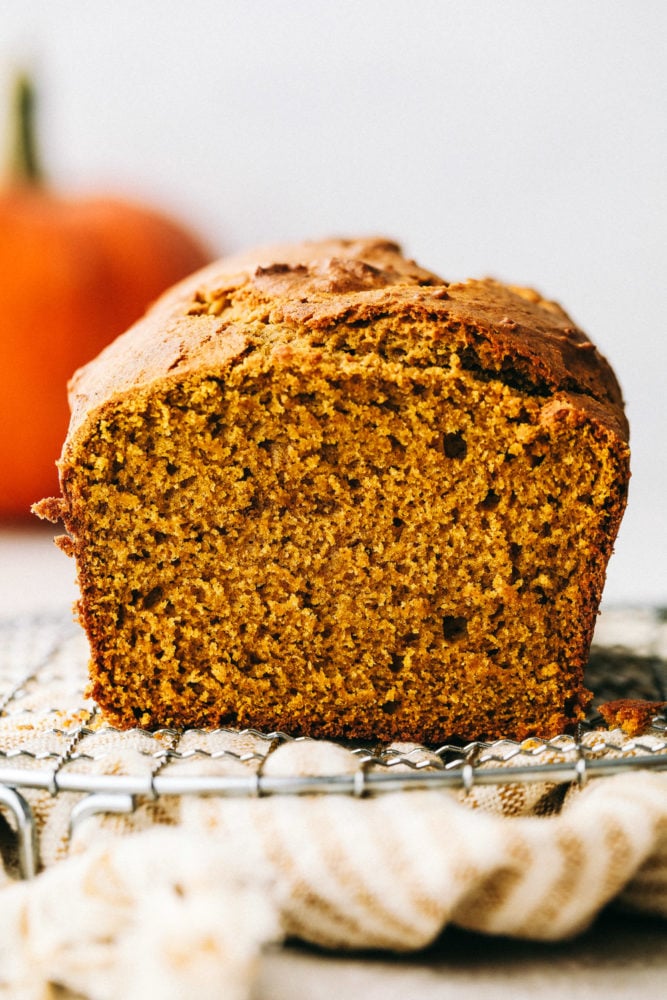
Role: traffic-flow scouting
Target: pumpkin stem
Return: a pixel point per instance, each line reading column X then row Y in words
column 24, row 165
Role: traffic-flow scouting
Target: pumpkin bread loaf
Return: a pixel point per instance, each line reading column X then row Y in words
column 319, row 489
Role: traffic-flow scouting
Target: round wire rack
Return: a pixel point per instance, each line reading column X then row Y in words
column 54, row 740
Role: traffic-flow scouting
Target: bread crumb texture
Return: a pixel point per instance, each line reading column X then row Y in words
column 333, row 495
column 633, row 715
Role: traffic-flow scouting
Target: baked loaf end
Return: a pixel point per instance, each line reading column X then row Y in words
column 320, row 489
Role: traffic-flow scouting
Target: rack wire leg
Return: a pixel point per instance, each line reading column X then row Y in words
column 26, row 831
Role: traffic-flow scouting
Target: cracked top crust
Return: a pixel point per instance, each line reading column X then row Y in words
column 211, row 319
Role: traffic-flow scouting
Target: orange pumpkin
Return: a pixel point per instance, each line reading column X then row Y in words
column 73, row 275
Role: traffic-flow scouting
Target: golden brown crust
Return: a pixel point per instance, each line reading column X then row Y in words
column 318, row 285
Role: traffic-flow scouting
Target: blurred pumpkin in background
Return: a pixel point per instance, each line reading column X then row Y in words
column 74, row 273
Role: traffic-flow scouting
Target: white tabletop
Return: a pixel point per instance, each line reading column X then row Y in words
column 620, row 958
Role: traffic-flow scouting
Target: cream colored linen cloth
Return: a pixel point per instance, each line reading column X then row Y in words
column 177, row 898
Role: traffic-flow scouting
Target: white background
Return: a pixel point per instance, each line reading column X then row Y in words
column 521, row 139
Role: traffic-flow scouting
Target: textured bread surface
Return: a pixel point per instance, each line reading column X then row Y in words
column 320, row 489
column 633, row 715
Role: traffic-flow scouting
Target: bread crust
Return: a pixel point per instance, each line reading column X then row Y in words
column 318, row 285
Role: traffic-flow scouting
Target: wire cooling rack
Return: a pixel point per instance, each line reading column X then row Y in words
column 53, row 739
